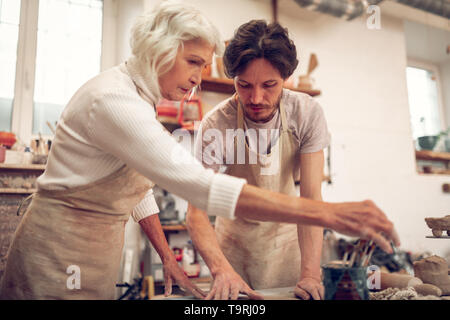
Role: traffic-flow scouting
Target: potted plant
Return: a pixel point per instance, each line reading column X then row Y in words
column 445, row 136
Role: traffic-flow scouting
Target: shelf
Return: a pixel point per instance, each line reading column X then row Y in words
column 225, row 85
column 433, row 156
column 441, row 237
column 193, row 280
column 22, row 166
column 17, row 191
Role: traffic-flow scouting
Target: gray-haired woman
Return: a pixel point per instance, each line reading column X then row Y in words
column 108, row 152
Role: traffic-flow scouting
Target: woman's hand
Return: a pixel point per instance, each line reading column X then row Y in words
column 361, row 219
column 172, row 271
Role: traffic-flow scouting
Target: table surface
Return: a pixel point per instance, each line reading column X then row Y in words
column 269, row 294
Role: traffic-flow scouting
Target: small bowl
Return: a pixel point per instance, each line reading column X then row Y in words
column 427, row 142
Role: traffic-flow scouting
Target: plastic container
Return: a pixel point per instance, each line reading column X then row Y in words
column 27, row 156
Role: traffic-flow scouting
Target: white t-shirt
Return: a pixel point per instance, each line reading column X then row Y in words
column 305, row 119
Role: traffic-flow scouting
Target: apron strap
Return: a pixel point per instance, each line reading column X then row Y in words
column 22, row 202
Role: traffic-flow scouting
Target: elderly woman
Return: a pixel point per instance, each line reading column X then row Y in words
column 108, row 152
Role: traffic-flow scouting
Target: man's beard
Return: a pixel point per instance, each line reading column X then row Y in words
column 274, row 108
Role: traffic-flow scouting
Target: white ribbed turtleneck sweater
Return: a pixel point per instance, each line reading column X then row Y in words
column 111, row 121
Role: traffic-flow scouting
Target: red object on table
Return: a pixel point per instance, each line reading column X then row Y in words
column 7, row 139
column 178, row 252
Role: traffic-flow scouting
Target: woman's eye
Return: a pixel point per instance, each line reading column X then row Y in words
column 243, row 85
column 269, row 85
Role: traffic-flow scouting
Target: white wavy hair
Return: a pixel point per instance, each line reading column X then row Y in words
column 157, row 35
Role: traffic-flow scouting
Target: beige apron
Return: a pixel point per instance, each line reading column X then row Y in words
column 265, row 254
column 82, row 227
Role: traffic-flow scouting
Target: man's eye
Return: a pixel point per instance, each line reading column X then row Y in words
column 194, row 62
column 242, row 85
column 269, row 85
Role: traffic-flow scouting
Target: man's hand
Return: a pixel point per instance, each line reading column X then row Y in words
column 309, row 287
column 228, row 284
column 172, row 271
column 362, row 219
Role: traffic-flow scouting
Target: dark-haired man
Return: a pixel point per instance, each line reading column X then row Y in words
column 283, row 129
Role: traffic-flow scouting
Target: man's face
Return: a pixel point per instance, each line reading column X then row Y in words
column 259, row 89
column 186, row 73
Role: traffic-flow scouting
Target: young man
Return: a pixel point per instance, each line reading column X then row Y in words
column 285, row 134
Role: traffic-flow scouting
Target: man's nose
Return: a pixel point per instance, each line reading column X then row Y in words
column 256, row 95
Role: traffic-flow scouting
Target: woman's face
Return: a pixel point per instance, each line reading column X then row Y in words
column 186, row 73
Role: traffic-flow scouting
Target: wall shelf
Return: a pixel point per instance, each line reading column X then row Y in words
column 433, row 156
column 22, row 166
column 225, row 85
column 17, row 191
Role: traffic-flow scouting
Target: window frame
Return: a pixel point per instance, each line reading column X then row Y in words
column 417, row 63
column 22, row 113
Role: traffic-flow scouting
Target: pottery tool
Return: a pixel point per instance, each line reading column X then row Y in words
column 355, row 253
column 313, row 63
column 51, row 127
column 347, row 251
column 370, row 250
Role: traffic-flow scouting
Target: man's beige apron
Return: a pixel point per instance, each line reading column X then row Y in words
column 61, row 231
column 265, row 254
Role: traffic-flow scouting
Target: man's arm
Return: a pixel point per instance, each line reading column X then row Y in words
column 310, row 238
column 153, row 229
column 227, row 283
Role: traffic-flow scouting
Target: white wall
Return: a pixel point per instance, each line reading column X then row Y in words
column 444, row 70
column 362, row 77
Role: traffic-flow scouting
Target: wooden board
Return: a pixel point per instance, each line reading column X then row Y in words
column 442, row 237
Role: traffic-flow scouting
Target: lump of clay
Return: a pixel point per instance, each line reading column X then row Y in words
column 427, row 289
column 400, row 294
column 438, row 225
column 433, row 270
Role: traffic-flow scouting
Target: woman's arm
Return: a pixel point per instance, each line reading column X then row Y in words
column 227, row 283
column 359, row 219
column 153, row 229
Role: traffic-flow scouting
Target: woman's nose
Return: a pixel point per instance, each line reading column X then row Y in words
column 196, row 78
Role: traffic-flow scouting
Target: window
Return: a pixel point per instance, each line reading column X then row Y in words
column 423, row 102
column 69, row 42
column 9, row 33
column 48, row 49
